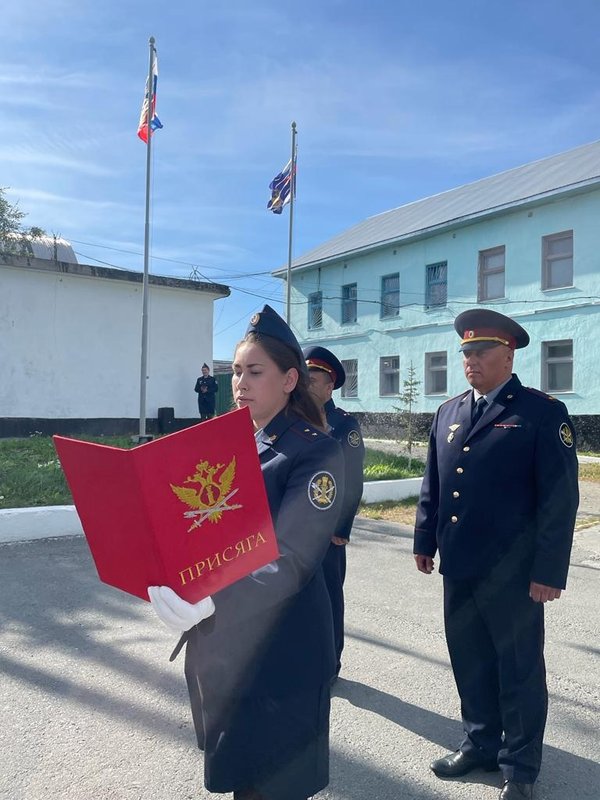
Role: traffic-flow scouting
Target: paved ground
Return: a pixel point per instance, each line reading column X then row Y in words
column 91, row 708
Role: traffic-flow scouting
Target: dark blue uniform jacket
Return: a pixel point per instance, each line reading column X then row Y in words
column 206, row 398
column 272, row 633
column 346, row 430
column 510, row 482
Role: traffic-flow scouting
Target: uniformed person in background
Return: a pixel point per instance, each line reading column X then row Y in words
column 498, row 502
column 259, row 654
column 326, row 374
column 206, row 387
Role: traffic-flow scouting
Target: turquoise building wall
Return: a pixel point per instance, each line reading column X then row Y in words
column 548, row 315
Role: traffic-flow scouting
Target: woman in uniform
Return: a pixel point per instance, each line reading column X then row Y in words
column 260, row 654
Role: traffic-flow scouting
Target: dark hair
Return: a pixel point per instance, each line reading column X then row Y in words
column 301, row 401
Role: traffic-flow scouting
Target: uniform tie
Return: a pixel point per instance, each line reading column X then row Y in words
column 478, row 409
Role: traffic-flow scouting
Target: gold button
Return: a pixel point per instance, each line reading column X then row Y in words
column 460, row 470
column 466, row 449
column 453, row 519
column 455, row 494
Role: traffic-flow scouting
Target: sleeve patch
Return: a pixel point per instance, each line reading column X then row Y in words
column 354, row 438
column 565, row 434
column 322, row 490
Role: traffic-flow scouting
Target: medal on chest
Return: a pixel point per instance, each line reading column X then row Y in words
column 453, row 428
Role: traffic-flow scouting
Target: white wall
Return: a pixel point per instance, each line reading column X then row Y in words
column 70, row 345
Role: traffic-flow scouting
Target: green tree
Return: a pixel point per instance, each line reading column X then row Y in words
column 13, row 235
column 408, row 398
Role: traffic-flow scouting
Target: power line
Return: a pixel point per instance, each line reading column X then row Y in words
column 235, row 276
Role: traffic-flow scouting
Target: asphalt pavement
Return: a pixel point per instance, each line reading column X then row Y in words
column 91, row 707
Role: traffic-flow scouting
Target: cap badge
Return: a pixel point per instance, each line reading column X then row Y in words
column 254, row 319
column 469, row 334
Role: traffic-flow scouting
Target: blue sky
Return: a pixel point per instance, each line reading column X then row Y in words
column 394, row 101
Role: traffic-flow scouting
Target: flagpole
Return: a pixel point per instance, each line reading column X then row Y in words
column 292, row 198
column 144, row 360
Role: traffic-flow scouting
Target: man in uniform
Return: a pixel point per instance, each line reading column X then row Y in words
column 498, row 502
column 206, row 387
column 326, row 374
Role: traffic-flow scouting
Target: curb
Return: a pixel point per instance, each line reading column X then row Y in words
column 379, row 491
column 43, row 522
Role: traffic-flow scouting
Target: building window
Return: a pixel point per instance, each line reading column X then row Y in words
column 390, row 295
column 436, row 373
column 350, row 387
column 436, row 290
column 389, row 375
column 557, row 260
column 491, row 274
column 315, row 310
column 557, row 366
column 348, row 303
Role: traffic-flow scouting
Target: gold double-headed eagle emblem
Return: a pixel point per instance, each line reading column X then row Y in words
column 211, row 497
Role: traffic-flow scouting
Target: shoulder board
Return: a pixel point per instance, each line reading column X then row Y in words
column 539, row 393
column 307, row 431
column 458, row 397
column 345, row 415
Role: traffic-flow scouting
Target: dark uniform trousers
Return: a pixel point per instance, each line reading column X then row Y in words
column 346, row 430
column 495, row 636
column 334, row 569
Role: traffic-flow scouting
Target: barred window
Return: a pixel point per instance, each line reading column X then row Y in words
column 315, row 310
column 350, row 387
column 436, row 290
column 390, row 295
column 348, row 303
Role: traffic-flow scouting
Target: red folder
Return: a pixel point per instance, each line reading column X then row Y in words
column 188, row 510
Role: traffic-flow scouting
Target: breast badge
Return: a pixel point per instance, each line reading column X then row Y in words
column 566, row 435
column 354, row 438
column 322, row 490
column 211, row 497
column 453, row 428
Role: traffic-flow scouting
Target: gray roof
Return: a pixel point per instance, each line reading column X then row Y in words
column 110, row 273
column 567, row 171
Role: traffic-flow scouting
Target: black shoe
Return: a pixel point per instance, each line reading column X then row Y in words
column 516, row 791
column 456, row 764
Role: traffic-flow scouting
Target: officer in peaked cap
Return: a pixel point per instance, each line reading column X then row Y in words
column 498, row 504
column 206, row 388
column 326, row 373
column 480, row 329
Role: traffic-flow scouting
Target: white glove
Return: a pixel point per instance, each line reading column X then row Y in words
column 178, row 614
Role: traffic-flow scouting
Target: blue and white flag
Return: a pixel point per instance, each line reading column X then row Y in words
column 149, row 104
column 281, row 188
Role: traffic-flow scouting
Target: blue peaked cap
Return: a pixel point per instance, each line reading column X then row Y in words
column 267, row 322
column 318, row 357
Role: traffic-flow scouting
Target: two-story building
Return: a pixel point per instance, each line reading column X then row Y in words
column 525, row 242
